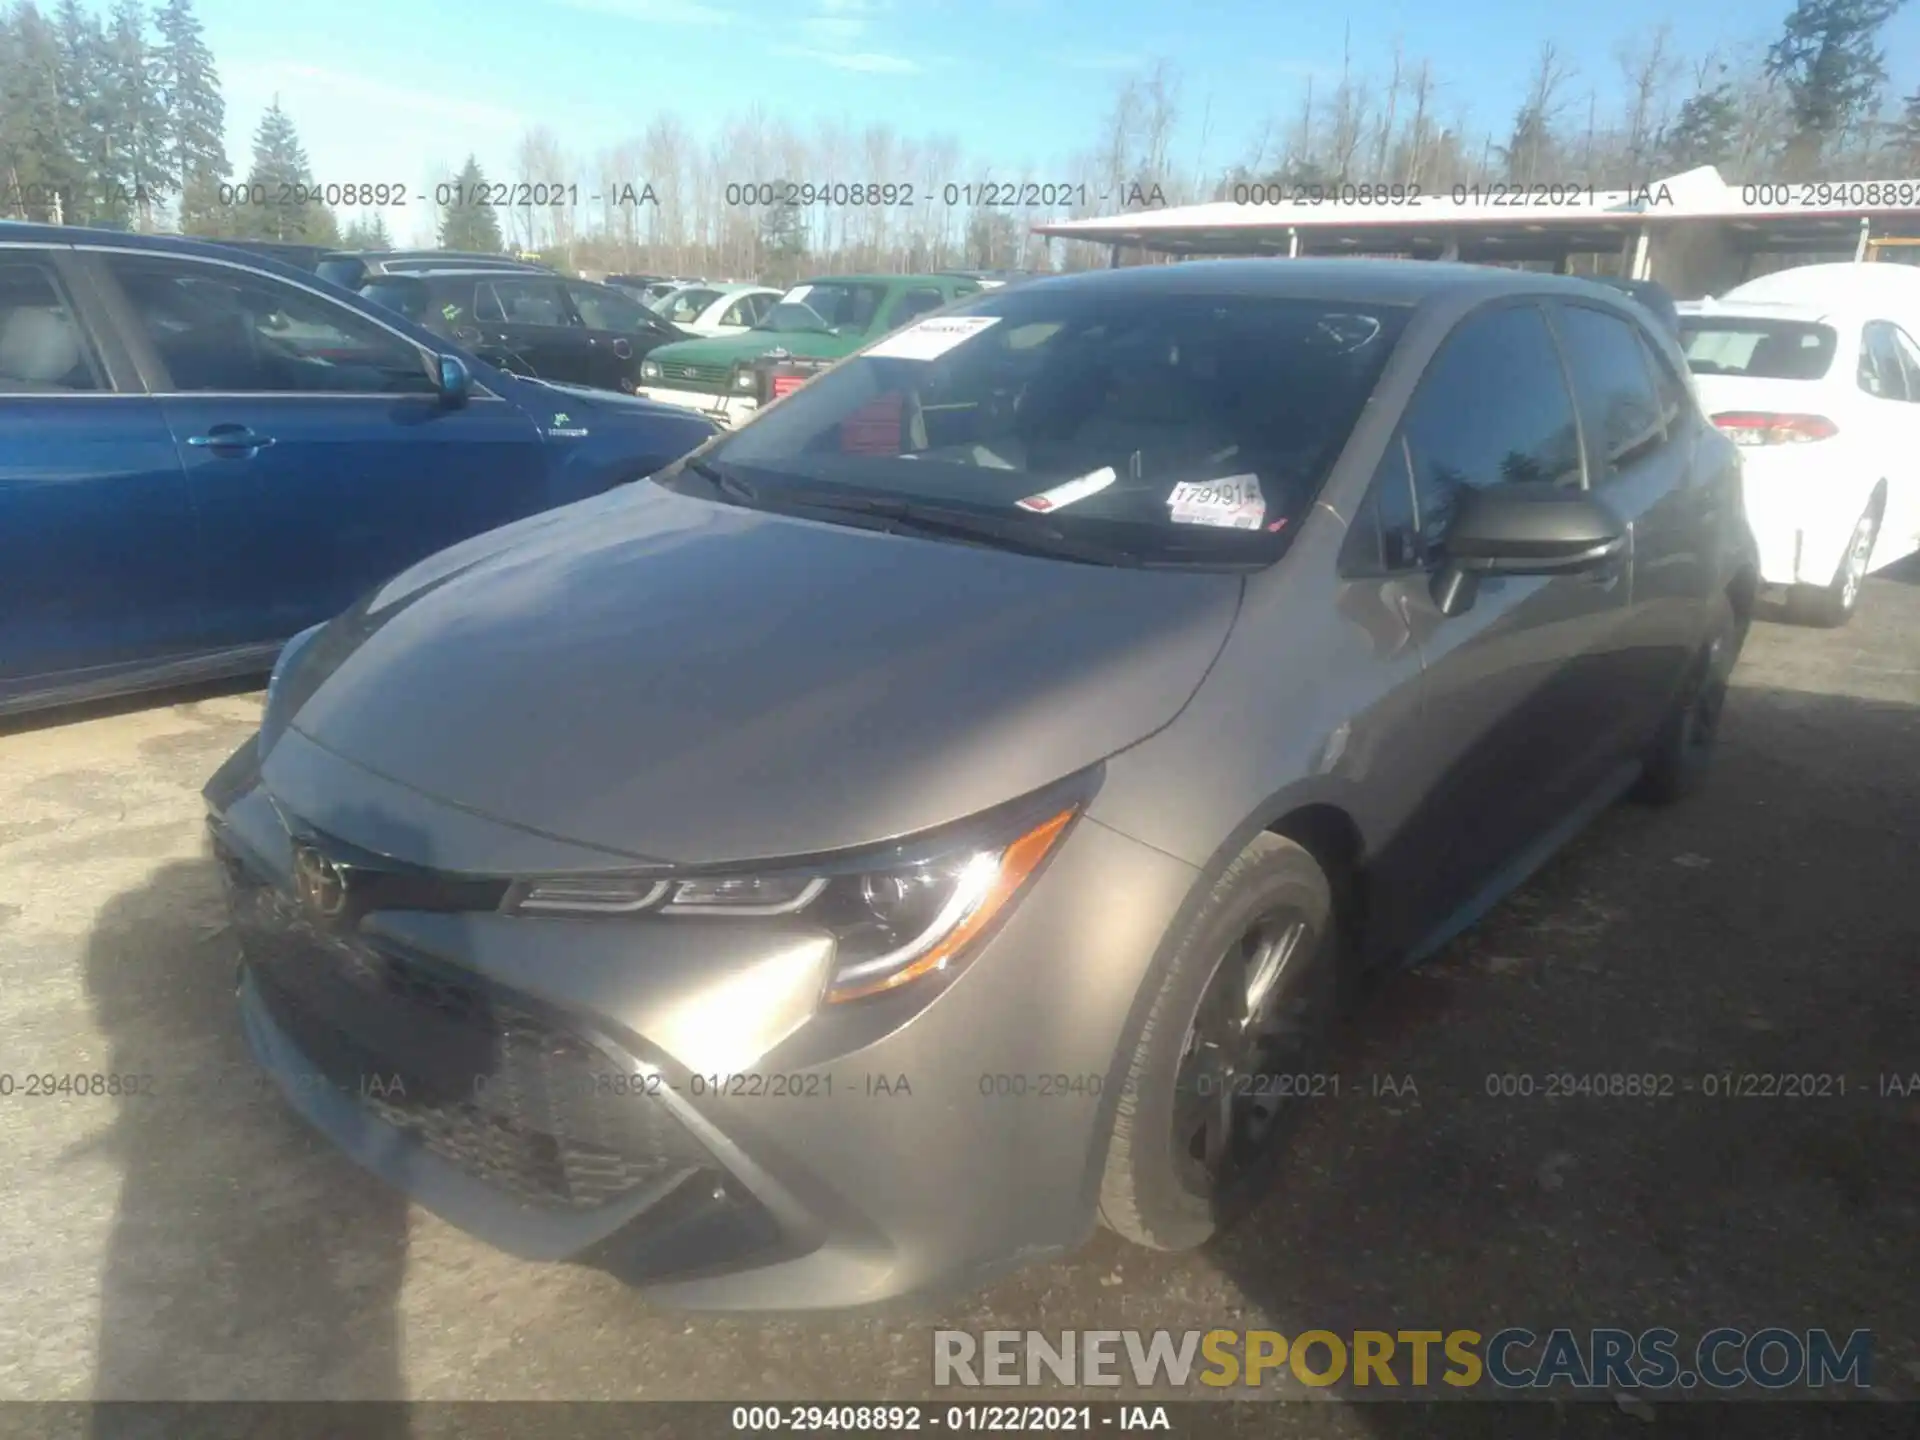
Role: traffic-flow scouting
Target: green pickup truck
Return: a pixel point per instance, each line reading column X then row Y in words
column 815, row 320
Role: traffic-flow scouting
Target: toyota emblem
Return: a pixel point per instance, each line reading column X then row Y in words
column 322, row 885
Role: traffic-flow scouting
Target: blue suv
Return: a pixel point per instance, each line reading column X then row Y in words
column 203, row 451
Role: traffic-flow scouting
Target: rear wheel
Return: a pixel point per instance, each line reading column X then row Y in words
column 1228, row 1052
column 1833, row 604
column 1677, row 763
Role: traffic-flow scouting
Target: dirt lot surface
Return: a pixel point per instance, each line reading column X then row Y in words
column 197, row 1242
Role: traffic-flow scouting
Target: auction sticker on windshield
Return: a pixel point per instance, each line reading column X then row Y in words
column 1071, row 491
column 1234, row 503
column 930, row 339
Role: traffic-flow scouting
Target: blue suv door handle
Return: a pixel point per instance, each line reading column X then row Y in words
column 230, row 437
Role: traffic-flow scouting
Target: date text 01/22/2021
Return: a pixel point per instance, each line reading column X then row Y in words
column 507, row 194
column 906, row 1418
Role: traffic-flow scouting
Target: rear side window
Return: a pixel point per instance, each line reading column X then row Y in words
column 345, row 271
column 521, row 302
column 398, row 293
column 913, row 303
column 1615, row 389
column 1676, row 402
column 1492, row 409
column 42, row 351
column 1759, row 349
column 1882, row 374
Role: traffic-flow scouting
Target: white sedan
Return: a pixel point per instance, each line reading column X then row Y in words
column 1824, row 400
column 716, row 309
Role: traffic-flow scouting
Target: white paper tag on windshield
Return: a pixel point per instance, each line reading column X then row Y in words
column 1071, row 491
column 796, row 295
column 1234, row 503
column 930, row 339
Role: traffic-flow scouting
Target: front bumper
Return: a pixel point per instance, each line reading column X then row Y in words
column 726, row 411
column 667, row 1102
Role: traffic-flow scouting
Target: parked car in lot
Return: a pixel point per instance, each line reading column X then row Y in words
column 301, row 257
column 948, row 809
column 817, row 320
column 716, row 310
column 203, row 452
column 1656, row 297
column 1824, row 401
column 537, row 324
column 352, row 269
column 633, row 284
column 660, row 289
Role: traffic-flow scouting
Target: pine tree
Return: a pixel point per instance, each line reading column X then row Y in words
column 369, row 234
column 1829, row 58
column 1704, row 130
column 83, row 137
column 37, row 174
column 1905, row 137
column 280, row 170
column 466, row 224
column 189, row 86
column 783, row 243
column 135, row 119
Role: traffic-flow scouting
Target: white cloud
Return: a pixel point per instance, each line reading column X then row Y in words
column 833, row 31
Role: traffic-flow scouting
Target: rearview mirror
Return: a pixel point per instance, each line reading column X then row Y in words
column 1529, row 528
column 453, row 381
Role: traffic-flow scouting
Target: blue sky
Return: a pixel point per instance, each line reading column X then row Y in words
column 392, row 90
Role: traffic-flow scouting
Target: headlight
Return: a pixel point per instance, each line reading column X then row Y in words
column 743, row 378
column 893, row 919
column 275, row 713
column 649, row 369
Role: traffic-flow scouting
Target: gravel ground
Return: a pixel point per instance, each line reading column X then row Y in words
column 195, row 1242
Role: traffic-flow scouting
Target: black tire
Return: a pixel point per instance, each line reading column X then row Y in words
column 1149, row 1193
column 1682, row 753
column 1830, row 606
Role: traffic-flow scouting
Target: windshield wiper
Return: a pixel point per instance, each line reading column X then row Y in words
column 731, row 486
column 915, row 517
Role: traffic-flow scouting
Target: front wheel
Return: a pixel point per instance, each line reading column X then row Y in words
column 1228, row 1053
column 1832, row 605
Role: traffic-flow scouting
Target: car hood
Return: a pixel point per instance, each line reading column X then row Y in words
column 681, row 680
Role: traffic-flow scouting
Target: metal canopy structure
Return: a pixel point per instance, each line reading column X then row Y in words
column 1547, row 224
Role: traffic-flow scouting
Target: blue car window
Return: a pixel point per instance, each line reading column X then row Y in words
column 41, row 348
column 218, row 328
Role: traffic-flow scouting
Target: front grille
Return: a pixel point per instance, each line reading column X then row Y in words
column 676, row 375
column 509, row 1096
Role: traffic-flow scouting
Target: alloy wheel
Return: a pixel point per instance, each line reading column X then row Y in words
column 1853, row 570
column 1264, row 1007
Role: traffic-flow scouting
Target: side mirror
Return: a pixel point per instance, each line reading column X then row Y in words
column 453, row 381
column 1528, row 528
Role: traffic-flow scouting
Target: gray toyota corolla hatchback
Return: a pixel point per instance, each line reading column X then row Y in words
column 944, row 814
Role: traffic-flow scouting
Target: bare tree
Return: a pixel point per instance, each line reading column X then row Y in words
column 1650, row 70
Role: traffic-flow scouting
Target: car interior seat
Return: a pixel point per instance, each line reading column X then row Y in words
column 40, row 351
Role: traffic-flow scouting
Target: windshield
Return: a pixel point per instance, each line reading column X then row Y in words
column 1759, row 349
column 825, row 307
column 1169, row 425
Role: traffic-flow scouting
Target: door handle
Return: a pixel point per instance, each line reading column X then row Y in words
column 230, row 437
